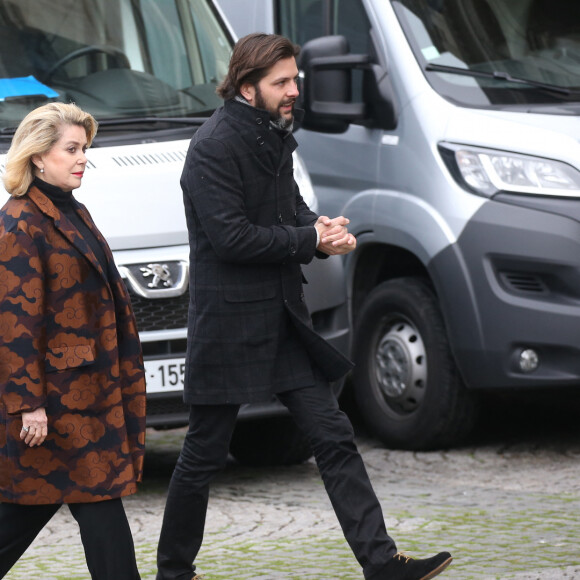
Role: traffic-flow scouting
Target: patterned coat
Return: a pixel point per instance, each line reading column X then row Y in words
column 250, row 332
column 69, row 343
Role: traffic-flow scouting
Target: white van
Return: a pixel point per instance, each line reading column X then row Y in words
column 448, row 131
column 147, row 70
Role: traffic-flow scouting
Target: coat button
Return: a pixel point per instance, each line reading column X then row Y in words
column 292, row 250
column 302, row 297
column 260, row 141
column 259, row 120
column 280, row 220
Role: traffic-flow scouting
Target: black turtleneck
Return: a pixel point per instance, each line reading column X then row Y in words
column 68, row 205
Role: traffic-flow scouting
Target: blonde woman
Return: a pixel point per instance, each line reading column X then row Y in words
column 72, row 387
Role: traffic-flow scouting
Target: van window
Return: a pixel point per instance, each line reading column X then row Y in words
column 114, row 58
column 485, row 42
column 303, row 20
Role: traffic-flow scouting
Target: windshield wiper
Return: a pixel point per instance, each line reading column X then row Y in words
column 7, row 131
column 497, row 75
column 116, row 121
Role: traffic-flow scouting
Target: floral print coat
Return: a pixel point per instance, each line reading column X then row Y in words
column 69, row 343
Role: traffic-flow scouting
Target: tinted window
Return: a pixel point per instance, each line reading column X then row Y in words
column 114, row 58
column 303, row 20
column 535, row 40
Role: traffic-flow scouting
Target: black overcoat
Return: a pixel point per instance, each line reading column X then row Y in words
column 250, row 334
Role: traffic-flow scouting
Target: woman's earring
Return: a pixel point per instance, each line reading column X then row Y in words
column 42, row 170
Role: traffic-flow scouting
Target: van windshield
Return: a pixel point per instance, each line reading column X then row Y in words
column 497, row 52
column 117, row 59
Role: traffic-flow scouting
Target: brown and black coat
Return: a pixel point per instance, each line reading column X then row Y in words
column 69, row 343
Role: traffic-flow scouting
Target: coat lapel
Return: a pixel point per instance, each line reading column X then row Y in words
column 64, row 226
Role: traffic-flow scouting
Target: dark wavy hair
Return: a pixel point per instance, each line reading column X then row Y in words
column 252, row 58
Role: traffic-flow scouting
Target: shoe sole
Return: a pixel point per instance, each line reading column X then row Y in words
column 438, row 570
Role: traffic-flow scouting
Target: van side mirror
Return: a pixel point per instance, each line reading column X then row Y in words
column 326, row 65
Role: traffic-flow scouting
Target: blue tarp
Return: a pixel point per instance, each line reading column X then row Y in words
column 24, row 87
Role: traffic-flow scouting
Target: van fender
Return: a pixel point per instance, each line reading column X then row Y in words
column 400, row 219
column 405, row 221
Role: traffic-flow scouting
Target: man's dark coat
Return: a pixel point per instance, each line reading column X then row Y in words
column 250, row 333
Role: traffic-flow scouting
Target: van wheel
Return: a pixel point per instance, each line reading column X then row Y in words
column 270, row 441
column 406, row 383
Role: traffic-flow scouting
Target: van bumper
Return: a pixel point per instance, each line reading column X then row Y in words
column 511, row 282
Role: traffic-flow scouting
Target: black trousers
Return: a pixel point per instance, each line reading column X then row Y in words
column 331, row 436
column 104, row 528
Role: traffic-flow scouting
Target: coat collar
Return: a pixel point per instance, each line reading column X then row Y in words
column 63, row 224
column 246, row 113
column 254, row 127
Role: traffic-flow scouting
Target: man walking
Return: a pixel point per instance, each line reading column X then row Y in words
column 250, row 334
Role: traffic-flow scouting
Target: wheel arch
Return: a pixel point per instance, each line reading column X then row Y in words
column 376, row 263
column 448, row 276
column 398, row 235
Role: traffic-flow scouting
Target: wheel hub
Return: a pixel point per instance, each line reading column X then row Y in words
column 401, row 366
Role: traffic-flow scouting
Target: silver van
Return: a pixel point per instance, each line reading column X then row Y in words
column 448, row 132
column 148, row 72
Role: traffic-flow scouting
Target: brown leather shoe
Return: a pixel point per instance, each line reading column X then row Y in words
column 403, row 567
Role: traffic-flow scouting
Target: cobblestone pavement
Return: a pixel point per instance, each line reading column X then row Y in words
column 507, row 506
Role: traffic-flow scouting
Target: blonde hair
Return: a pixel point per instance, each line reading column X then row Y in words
column 36, row 135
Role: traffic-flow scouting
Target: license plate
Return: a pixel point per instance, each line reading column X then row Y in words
column 164, row 375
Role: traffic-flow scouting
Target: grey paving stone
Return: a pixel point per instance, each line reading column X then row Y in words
column 505, row 512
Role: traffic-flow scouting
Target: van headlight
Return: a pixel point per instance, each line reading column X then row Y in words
column 486, row 172
column 302, row 178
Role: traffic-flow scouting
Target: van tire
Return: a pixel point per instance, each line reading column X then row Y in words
column 406, row 383
column 269, row 441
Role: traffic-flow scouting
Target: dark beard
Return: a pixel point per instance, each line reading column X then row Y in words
column 277, row 119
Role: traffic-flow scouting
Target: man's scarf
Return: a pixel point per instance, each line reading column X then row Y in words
column 278, row 124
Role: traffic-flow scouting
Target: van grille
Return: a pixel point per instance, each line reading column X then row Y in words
column 160, row 313
column 167, row 411
column 523, row 282
column 166, row 405
column 150, row 158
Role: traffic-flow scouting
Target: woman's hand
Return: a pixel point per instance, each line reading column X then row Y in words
column 34, row 427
